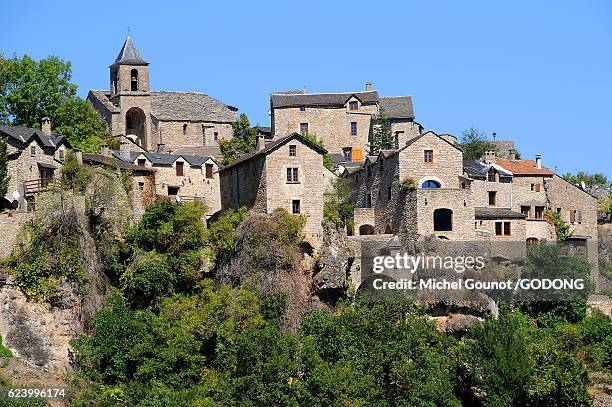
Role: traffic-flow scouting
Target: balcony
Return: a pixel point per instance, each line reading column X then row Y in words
column 37, row 186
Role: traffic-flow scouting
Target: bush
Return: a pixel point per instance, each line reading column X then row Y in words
column 408, row 184
column 75, row 176
column 336, row 208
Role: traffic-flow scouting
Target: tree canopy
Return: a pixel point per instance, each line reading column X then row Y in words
column 243, row 142
column 474, row 144
column 382, row 138
column 31, row 90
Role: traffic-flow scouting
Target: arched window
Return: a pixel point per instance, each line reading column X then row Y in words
column 134, row 79
column 388, row 229
column 532, row 240
column 443, row 220
column 184, row 129
column 430, row 184
column 366, row 230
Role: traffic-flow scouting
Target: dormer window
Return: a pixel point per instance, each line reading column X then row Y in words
column 491, row 175
column 353, row 105
column 61, row 155
column 33, row 151
column 134, row 79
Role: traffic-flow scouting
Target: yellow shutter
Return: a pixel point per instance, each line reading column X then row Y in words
column 357, row 155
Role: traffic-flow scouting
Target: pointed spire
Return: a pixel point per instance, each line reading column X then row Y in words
column 129, row 54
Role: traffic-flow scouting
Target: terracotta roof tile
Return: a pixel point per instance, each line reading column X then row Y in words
column 523, row 167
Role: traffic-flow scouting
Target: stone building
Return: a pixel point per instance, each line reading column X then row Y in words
column 344, row 121
column 182, row 177
column 158, row 120
column 35, row 160
column 415, row 191
column 286, row 173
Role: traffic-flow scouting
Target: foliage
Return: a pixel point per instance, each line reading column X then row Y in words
column 408, row 184
column 382, row 138
column 75, row 176
column 4, row 176
column 126, row 180
column 222, row 232
column 327, row 158
column 589, row 180
column 243, row 142
column 562, row 228
column 147, row 281
column 4, row 351
column 45, row 254
column 474, row 144
column 337, row 208
column 31, row 90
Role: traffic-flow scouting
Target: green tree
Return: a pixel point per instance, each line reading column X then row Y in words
column 31, row 90
column 243, row 142
column 337, row 208
column 382, row 139
column 589, row 180
column 4, row 176
column 474, row 144
column 327, row 159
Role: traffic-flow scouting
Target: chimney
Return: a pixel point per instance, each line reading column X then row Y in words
column 46, row 126
column 260, row 144
column 105, row 151
column 124, row 149
column 538, row 161
column 79, row 156
column 512, row 154
column 489, row 157
column 368, row 86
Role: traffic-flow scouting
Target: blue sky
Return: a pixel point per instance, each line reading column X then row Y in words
column 537, row 72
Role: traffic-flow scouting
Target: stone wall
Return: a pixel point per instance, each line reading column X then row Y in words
column 404, row 130
column 197, row 133
column 446, row 167
column 518, row 229
column 331, row 124
column 244, row 185
column 565, row 197
column 522, row 195
column 11, row 223
column 502, row 187
column 458, row 200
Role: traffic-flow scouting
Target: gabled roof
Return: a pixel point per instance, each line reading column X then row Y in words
column 163, row 158
column 99, row 159
column 24, row 134
column 478, row 169
column 397, row 107
column 204, row 151
column 178, row 106
column 273, row 145
column 523, row 167
column 320, row 99
column 193, row 106
column 129, row 54
column 497, row 213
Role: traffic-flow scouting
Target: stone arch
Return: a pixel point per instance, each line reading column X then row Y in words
column 366, row 229
column 443, row 220
column 435, row 180
column 532, row 240
column 136, row 126
column 388, row 229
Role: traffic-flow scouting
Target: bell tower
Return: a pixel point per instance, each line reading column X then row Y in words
column 129, row 90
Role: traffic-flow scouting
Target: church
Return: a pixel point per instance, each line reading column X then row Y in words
column 158, row 120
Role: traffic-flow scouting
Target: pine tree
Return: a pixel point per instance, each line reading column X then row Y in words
column 382, row 138
column 4, row 177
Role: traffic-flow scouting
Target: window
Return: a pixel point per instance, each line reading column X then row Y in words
column 292, row 175
column 302, row 108
column 173, row 191
column 141, row 185
column 292, row 150
column 491, row 175
column 492, row 198
column 209, row 170
column 443, row 220
column 575, row 216
column 141, row 162
column 539, row 212
column 353, row 128
column 368, row 199
column 216, row 135
column 535, row 187
column 526, row 210
column 430, row 184
column 502, row 229
column 33, row 151
column 61, row 155
column 348, row 153
column 134, row 79
column 179, row 169
column 204, row 131
column 303, row 128
column 428, row 156
column 353, row 105
column 388, row 193
column 184, row 129
column 295, row 206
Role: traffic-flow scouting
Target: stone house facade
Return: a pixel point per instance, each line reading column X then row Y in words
column 182, row 177
column 414, row 191
column 344, row 121
column 286, row 173
column 158, row 120
column 35, row 160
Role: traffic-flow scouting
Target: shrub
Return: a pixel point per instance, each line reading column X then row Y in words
column 75, row 176
column 562, row 228
column 336, row 208
column 408, row 184
column 222, row 232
